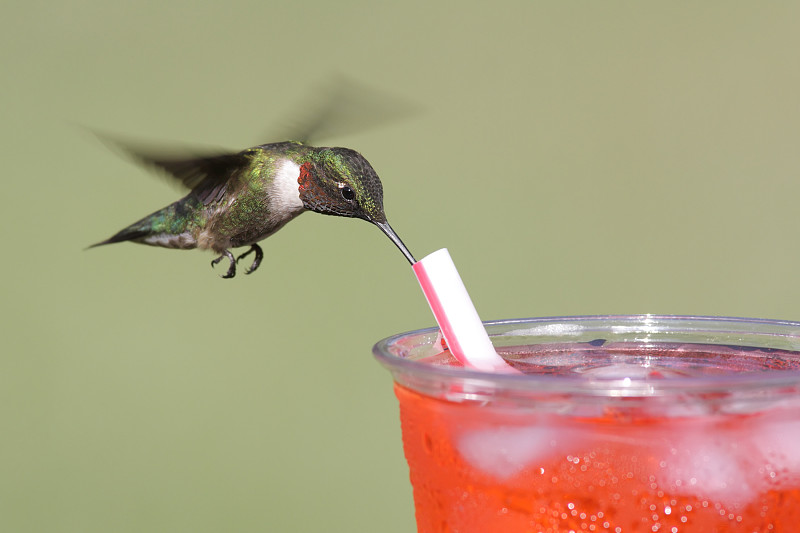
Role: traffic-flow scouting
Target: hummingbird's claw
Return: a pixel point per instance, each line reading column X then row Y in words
column 231, row 269
column 257, row 261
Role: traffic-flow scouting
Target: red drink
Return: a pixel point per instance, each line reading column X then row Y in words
column 640, row 424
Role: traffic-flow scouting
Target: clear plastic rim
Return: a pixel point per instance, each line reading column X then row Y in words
column 769, row 333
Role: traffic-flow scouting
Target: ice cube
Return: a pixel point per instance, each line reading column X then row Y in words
column 711, row 464
column 505, row 451
column 778, row 443
column 618, row 371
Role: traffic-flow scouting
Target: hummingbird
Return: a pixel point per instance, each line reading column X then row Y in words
column 238, row 199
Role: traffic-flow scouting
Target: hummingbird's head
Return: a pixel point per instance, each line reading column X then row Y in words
column 341, row 182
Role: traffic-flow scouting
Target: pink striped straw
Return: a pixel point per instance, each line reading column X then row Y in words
column 456, row 315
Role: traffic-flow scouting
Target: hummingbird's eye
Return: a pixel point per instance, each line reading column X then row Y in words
column 347, row 193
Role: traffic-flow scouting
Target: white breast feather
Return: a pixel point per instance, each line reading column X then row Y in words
column 284, row 192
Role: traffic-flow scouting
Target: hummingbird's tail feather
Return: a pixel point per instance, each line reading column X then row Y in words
column 128, row 234
column 170, row 227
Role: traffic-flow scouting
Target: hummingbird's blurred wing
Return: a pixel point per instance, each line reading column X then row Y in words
column 342, row 106
column 205, row 174
column 191, row 172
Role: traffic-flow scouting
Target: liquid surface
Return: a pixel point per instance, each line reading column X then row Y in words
column 487, row 466
column 657, row 360
column 615, row 359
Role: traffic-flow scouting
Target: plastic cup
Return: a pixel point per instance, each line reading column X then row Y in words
column 616, row 424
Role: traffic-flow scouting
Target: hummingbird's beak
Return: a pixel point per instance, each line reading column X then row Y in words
column 387, row 229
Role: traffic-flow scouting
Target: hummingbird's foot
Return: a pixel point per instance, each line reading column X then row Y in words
column 257, row 261
column 231, row 269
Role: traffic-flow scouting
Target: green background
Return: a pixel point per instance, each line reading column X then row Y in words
column 575, row 157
